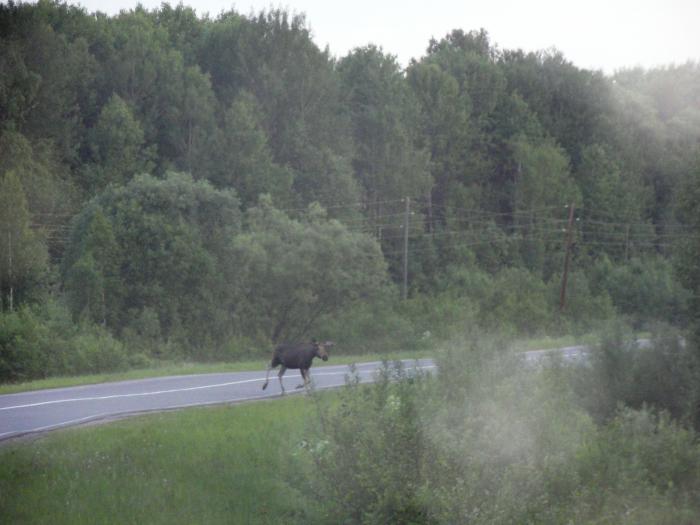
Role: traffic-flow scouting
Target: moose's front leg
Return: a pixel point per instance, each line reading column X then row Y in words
column 305, row 377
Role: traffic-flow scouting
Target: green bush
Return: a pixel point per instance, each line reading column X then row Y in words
column 367, row 453
column 584, row 310
column 661, row 373
column 42, row 341
column 23, row 352
column 518, row 302
column 487, row 441
column 371, row 326
column 96, row 351
column 645, row 290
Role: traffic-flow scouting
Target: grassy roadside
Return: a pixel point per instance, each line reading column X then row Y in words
column 183, row 368
column 209, row 465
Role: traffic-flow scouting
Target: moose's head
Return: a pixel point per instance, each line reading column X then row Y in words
column 321, row 349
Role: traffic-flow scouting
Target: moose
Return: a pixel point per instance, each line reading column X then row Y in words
column 297, row 355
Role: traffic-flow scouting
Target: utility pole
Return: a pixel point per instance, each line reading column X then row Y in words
column 405, row 248
column 567, row 258
column 9, row 270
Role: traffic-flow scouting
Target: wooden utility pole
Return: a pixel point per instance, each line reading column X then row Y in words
column 405, row 248
column 9, row 269
column 567, row 257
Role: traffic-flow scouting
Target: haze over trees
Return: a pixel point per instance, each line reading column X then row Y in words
column 188, row 187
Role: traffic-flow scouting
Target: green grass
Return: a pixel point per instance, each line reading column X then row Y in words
column 209, row 465
column 172, row 369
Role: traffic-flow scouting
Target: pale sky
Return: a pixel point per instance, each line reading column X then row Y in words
column 593, row 34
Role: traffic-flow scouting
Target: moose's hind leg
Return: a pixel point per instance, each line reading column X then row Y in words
column 283, row 369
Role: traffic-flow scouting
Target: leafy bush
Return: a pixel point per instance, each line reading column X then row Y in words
column 518, row 301
column 487, row 441
column 584, row 309
column 22, row 346
column 367, row 452
column 371, row 326
column 661, row 373
column 645, row 290
column 43, row 341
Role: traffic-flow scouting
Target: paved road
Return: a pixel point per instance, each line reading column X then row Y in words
column 44, row 410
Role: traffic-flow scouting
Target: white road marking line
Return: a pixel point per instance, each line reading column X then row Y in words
column 171, row 391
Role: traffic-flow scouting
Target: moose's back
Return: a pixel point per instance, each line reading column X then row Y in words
column 295, row 355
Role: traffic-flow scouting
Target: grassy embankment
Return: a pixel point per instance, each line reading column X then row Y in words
column 210, row 465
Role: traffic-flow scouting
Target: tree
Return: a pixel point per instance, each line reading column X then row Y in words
column 573, row 105
column 241, row 158
column 163, row 251
column 292, row 272
column 543, row 186
column 93, row 280
column 51, row 193
column 384, row 118
column 688, row 212
column 117, row 146
column 613, row 203
column 46, row 77
column 445, row 131
column 24, row 258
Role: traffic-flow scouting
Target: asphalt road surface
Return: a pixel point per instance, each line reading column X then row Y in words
column 43, row 410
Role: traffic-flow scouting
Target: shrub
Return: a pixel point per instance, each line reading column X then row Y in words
column 519, row 300
column 646, row 290
column 660, row 373
column 371, row 326
column 584, row 310
column 42, row 341
column 23, row 340
column 488, row 441
column 367, row 453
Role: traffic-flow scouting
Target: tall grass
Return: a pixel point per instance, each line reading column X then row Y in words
column 214, row 465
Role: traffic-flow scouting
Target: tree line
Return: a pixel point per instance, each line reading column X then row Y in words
column 188, row 183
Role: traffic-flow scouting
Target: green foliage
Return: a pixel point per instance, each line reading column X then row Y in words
column 291, row 272
column 43, row 341
column 643, row 289
column 661, row 374
column 117, row 147
column 383, row 118
column 23, row 262
column 490, row 144
column 487, row 441
column 686, row 263
column 242, row 158
column 518, row 300
column 157, row 245
column 217, row 465
column 367, row 453
column 585, row 308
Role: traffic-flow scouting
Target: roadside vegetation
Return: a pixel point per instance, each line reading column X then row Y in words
column 171, row 190
column 481, row 440
column 185, row 191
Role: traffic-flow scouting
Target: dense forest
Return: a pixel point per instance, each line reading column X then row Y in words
column 175, row 186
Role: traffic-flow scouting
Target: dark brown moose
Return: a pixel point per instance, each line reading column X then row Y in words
column 297, row 355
